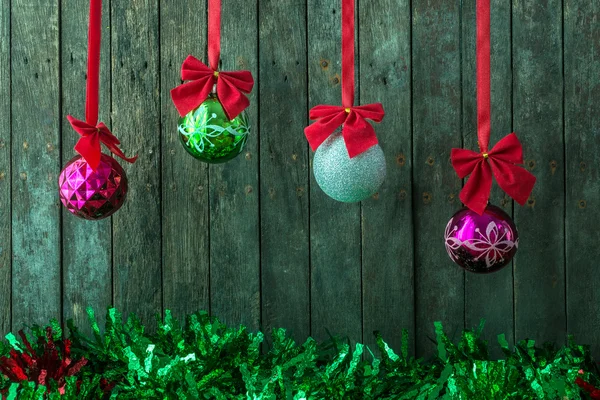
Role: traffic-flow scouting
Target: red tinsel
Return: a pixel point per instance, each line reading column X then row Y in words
column 588, row 387
column 54, row 363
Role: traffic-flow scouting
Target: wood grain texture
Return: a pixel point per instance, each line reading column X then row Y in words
column 87, row 245
column 582, row 140
column 185, row 186
column 234, row 188
column 284, row 166
column 5, row 170
column 387, row 220
column 136, row 112
column 538, row 120
column 436, row 100
column 36, row 283
column 335, row 259
column 489, row 296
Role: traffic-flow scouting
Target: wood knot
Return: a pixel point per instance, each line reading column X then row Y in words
column 582, row 204
column 430, row 161
column 582, row 166
column 530, row 165
column 427, row 197
column 324, row 64
column 401, row 159
column 402, row 195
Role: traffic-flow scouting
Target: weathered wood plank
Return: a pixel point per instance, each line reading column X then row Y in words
column 538, row 120
column 136, row 108
column 335, row 257
column 234, row 195
column 5, row 170
column 36, row 295
column 87, row 245
column 387, row 223
column 582, row 137
column 284, row 166
column 489, row 296
column 439, row 284
column 185, row 239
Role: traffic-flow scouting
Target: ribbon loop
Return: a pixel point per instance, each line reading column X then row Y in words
column 358, row 134
column 231, row 87
column 89, row 146
column 502, row 163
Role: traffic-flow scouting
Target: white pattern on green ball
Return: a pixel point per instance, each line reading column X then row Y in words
column 348, row 179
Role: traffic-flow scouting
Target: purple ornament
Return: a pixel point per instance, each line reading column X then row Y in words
column 481, row 243
column 91, row 194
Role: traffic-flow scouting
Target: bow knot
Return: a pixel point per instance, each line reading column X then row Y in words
column 358, row 134
column 231, row 87
column 502, row 162
column 89, row 144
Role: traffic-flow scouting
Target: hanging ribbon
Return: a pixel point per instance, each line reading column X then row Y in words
column 358, row 134
column 502, row 162
column 93, row 133
column 231, row 86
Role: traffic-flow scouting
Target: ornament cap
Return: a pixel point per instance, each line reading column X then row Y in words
column 216, row 74
column 485, row 155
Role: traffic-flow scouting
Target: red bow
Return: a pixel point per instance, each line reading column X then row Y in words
column 358, row 134
column 502, row 162
column 230, row 86
column 89, row 143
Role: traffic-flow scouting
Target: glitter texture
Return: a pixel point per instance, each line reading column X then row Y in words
column 92, row 194
column 481, row 243
column 348, row 179
column 208, row 135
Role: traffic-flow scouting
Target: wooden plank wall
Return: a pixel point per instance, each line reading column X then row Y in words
column 255, row 241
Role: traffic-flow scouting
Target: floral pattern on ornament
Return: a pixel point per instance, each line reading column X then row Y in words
column 492, row 245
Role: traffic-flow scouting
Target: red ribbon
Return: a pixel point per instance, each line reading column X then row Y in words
column 502, row 161
column 92, row 133
column 91, row 137
column 359, row 135
column 230, row 86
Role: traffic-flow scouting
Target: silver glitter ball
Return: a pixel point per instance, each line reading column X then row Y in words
column 348, row 179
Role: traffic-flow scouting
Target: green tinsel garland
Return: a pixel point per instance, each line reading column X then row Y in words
column 207, row 360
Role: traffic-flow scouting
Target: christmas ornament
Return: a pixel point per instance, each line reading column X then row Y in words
column 213, row 127
column 92, row 194
column 501, row 162
column 93, row 185
column 210, row 136
column 348, row 166
column 348, row 179
column 481, row 243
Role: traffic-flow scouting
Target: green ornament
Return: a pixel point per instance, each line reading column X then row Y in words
column 208, row 135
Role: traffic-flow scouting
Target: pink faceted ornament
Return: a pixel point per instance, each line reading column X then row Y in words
column 90, row 194
column 481, row 243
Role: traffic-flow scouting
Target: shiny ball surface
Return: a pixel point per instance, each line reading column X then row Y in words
column 348, row 179
column 90, row 194
column 481, row 243
column 208, row 135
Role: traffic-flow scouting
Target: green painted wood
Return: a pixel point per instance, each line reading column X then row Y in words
column 387, row 220
column 185, row 213
column 36, row 285
column 87, row 250
column 284, row 166
column 439, row 284
column 489, row 296
column 335, row 259
column 582, row 140
column 538, row 120
column 234, row 188
column 136, row 121
column 5, row 170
